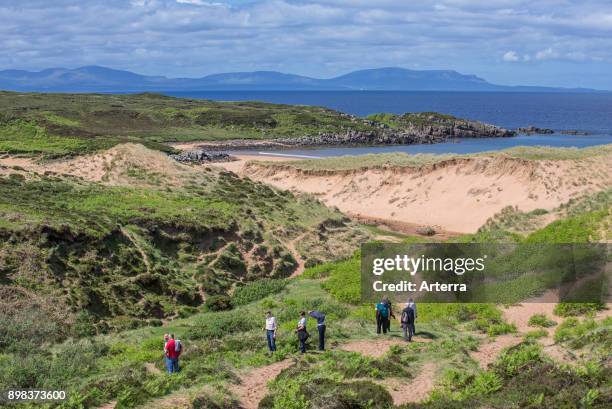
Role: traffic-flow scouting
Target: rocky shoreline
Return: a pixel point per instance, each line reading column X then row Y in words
column 534, row 130
column 408, row 129
column 202, row 156
column 383, row 135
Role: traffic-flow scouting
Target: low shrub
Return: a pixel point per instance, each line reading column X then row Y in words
column 580, row 333
column 219, row 324
column 257, row 290
column 218, row 303
column 513, row 360
column 573, row 309
column 540, row 320
column 536, row 334
column 213, row 401
column 344, row 282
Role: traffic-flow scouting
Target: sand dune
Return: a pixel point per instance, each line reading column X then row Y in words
column 457, row 195
column 123, row 164
column 454, row 195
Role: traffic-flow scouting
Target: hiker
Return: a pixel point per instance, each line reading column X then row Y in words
column 407, row 320
column 412, row 305
column 167, row 360
column 301, row 331
column 178, row 349
column 270, row 329
column 172, row 351
column 391, row 315
column 383, row 312
column 320, row 317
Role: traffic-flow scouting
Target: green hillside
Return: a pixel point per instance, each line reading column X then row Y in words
column 68, row 124
column 61, row 124
column 114, row 257
column 106, row 259
column 97, row 266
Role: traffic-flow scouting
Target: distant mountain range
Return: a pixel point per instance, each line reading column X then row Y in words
column 102, row 79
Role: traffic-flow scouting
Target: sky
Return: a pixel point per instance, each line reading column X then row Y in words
column 535, row 42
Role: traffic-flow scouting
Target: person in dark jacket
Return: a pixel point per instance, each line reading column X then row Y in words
column 320, row 317
column 411, row 304
column 407, row 321
column 391, row 315
column 384, row 312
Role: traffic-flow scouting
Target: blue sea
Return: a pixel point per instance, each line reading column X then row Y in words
column 588, row 112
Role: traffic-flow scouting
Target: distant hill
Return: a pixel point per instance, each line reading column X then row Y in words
column 102, row 79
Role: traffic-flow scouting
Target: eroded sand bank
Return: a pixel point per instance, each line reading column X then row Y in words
column 457, row 195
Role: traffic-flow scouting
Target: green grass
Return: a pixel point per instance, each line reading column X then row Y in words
column 582, row 228
column 66, row 124
column 89, row 271
column 573, row 309
column 580, row 333
column 119, row 257
column 25, row 137
column 540, row 320
column 510, row 383
column 346, row 163
column 257, row 290
column 77, row 123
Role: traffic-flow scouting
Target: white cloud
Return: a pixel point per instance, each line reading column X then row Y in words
column 202, row 3
column 511, row 56
column 547, row 54
column 317, row 37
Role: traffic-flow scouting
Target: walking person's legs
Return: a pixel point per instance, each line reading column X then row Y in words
column 270, row 338
column 168, row 363
column 378, row 324
column 411, row 333
column 321, row 329
column 302, row 345
column 175, row 365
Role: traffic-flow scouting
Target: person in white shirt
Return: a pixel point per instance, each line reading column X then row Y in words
column 270, row 329
column 301, row 331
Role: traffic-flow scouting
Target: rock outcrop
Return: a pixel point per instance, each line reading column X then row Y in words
column 574, row 132
column 534, row 130
column 201, row 156
column 420, row 128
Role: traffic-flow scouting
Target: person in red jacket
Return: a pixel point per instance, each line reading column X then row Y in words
column 171, row 355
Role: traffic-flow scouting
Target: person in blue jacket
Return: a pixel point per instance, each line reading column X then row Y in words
column 320, row 317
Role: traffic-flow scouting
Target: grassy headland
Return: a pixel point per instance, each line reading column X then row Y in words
column 59, row 124
column 68, row 124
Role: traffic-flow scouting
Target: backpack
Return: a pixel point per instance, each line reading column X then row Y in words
column 383, row 309
column 178, row 347
column 407, row 316
column 303, row 335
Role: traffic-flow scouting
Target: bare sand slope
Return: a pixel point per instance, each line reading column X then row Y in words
column 457, row 195
column 123, row 164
